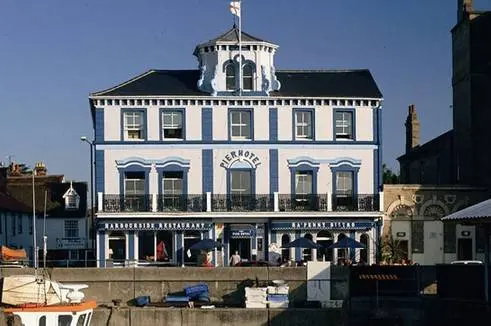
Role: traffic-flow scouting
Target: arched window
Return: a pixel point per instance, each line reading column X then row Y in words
column 230, row 76
column 285, row 252
column 307, row 253
column 325, row 239
column 364, row 252
column 247, row 77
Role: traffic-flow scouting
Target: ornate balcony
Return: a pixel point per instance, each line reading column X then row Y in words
column 292, row 202
column 209, row 202
column 242, row 203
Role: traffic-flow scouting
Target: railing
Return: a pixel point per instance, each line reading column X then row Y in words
column 209, row 202
column 242, row 203
column 181, row 203
column 127, row 203
column 356, row 203
column 292, row 202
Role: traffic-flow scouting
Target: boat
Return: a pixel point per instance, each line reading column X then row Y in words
column 38, row 301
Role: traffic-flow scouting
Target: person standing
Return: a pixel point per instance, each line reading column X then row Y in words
column 234, row 259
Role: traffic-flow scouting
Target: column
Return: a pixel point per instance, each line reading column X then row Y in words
column 179, row 245
column 298, row 251
column 101, row 252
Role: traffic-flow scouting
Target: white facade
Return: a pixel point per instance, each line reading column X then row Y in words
column 236, row 165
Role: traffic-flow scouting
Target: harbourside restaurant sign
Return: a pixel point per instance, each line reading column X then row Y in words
column 240, row 155
column 157, row 226
column 322, row 225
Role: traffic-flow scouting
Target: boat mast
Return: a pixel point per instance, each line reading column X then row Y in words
column 45, row 237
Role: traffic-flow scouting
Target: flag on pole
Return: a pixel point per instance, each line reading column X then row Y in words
column 235, row 8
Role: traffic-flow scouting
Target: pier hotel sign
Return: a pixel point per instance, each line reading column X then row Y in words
column 241, row 156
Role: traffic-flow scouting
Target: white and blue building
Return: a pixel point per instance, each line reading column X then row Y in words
column 183, row 155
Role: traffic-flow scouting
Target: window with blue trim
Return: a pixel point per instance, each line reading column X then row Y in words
column 303, row 124
column 230, row 76
column 344, row 189
column 247, row 78
column 172, row 188
column 172, row 124
column 134, row 191
column 241, row 124
column 344, row 124
column 240, row 189
column 134, row 125
column 303, row 185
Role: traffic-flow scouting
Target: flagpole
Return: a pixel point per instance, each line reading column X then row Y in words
column 240, row 48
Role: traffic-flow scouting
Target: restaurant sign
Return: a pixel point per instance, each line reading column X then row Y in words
column 242, row 233
column 322, row 225
column 157, row 226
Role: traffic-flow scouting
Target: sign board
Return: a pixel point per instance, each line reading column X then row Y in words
column 242, row 233
column 70, row 243
column 240, row 155
column 322, row 225
column 142, row 226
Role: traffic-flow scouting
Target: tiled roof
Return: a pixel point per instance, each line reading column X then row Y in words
column 20, row 188
column 480, row 211
column 299, row 83
column 9, row 204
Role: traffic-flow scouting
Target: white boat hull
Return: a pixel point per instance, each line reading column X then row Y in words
column 22, row 289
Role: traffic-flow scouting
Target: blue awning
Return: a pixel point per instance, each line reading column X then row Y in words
column 480, row 212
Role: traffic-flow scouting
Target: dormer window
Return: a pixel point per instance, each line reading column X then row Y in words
column 230, row 76
column 72, row 199
column 247, row 77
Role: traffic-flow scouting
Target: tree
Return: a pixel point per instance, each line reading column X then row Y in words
column 389, row 177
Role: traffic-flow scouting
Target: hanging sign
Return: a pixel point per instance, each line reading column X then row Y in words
column 241, row 156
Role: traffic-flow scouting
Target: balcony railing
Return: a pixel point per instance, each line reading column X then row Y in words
column 209, row 202
column 357, row 203
column 181, row 203
column 242, row 203
column 292, row 202
column 127, row 203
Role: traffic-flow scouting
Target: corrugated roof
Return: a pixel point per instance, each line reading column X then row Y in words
column 295, row 83
column 480, row 211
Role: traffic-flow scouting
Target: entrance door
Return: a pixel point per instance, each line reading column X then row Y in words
column 243, row 246
column 464, row 249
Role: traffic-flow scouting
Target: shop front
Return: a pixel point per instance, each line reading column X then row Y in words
column 129, row 243
column 246, row 239
column 325, row 233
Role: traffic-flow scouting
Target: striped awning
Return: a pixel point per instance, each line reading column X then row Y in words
column 378, row 277
column 480, row 212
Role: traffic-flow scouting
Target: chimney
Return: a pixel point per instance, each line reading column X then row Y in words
column 463, row 8
column 412, row 129
column 3, row 179
column 40, row 169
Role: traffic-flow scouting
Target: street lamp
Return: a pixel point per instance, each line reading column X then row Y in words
column 92, row 188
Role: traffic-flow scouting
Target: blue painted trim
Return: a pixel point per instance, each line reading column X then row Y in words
column 207, row 170
column 131, row 244
column 144, row 120
column 177, row 160
column 134, row 161
column 376, row 162
column 133, row 168
column 294, row 122
column 380, row 149
column 235, row 65
column 273, row 124
column 266, row 242
column 206, row 125
column 345, row 168
column 183, row 113
column 102, row 249
column 173, row 168
column 242, row 142
column 244, row 93
column 303, row 160
column 99, row 124
column 352, row 252
column 253, row 179
column 345, row 160
column 353, row 123
column 230, row 110
column 303, row 168
column 99, row 172
column 273, row 171
column 226, row 245
column 298, row 251
column 179, row 248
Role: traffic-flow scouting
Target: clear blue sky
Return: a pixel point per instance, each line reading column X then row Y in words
column 53, row 53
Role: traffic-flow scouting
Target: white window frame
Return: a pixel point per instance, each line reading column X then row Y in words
column 345, row 123
column 300, row 121
column 71, row 226
column 175, row 191
column 247, row 123
column 344, row 184
column 134, row 181
column 175, row 115
column 130, row 127
column 302, row 177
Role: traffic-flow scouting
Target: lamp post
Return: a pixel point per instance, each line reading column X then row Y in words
column 92, row 188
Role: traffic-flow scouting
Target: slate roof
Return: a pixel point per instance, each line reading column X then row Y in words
column 432, row 147
column 9, row 204
column 232, row 35
column 477, row 212
column 20, row 188
column 299, row 83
